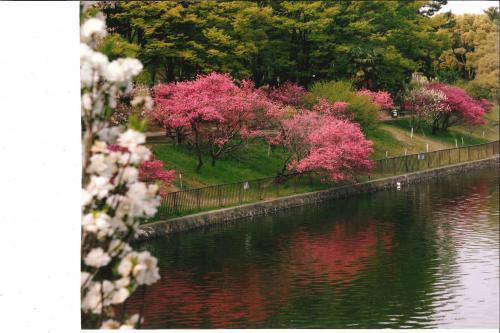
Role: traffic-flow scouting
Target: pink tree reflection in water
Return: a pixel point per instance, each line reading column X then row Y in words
column 239, row 297
column 341, row 254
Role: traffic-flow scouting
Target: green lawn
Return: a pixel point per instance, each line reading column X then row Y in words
column 255, row 160
column 469, row 135
column 384, row 141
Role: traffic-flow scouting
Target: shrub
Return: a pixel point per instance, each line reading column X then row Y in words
column 365, row 112
column 380, row 98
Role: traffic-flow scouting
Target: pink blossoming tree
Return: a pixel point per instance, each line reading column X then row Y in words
column 319, row 142
column 459, row 107
column 337, row 109
column 215, row 113
column 427, row 104
column 152, row 172
column 288, row 93
column 382, row 99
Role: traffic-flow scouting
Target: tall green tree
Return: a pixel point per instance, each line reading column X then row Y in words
column 377, row 44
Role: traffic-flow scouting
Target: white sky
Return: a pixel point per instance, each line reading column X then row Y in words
column 473, row 7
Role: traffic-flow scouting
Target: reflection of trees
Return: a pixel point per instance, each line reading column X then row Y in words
column 340, row 254
column 377, row 261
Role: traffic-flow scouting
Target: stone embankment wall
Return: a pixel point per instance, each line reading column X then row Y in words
column 231, row 214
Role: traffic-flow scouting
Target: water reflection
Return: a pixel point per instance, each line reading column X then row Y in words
column 426, row 256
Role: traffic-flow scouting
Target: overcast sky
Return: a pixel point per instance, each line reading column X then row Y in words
column 474, row 7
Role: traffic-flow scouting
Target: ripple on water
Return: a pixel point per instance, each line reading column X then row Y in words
column 423, row 257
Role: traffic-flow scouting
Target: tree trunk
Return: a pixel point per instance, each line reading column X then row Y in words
column 435, row 126
column 198, row 149
column 200, row 160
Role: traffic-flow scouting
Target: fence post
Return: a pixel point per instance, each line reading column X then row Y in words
column 240, row 191
column 198, row 194
column 382, row 167
column 428, row 160
column 219, row 195
column 176, row 207
column 459, row 157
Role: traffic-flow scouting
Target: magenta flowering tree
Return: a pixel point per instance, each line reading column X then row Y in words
column 382, row 99
column 288, row 93
column 460, row 108
column 485, row 104
column 338, row 109
column 212, row 111
column 427, row 104
column 314, row 141
column 337, row 149
column 152, row 172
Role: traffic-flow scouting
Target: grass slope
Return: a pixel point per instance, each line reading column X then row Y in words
column 253, row 161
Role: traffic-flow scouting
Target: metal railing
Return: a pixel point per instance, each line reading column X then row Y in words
column 225, row 195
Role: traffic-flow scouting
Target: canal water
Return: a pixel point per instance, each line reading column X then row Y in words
column 424, row 256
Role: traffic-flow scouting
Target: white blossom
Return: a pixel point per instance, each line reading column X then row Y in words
column 91, row 28
column 110, row 324
column 86, row 197
column 119, row 295
column 99, row 223
column 99, row 61
column 147, row 101
column 92, row 299
column 103, row 165
column 111, row 176
column 131, row 139
column 97, row 258
column 99, row 186
column 142, row 199
column 87, row 77
column 130, row 175
column 86, row 102
column 117, row 246
column 99, row 147
column 126, row 264
column 139, row 154
column 146, row 271
column 122, row 70
column 109, row 134
column 132, row 321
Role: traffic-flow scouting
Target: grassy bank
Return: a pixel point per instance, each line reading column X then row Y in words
column 254, row 160
column 394, row 136
column 257, row 160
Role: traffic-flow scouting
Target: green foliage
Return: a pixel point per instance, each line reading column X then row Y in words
column 474, row 89
column 274, row 41
column 136, row 123
column 365, row 112
column 114, row 46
